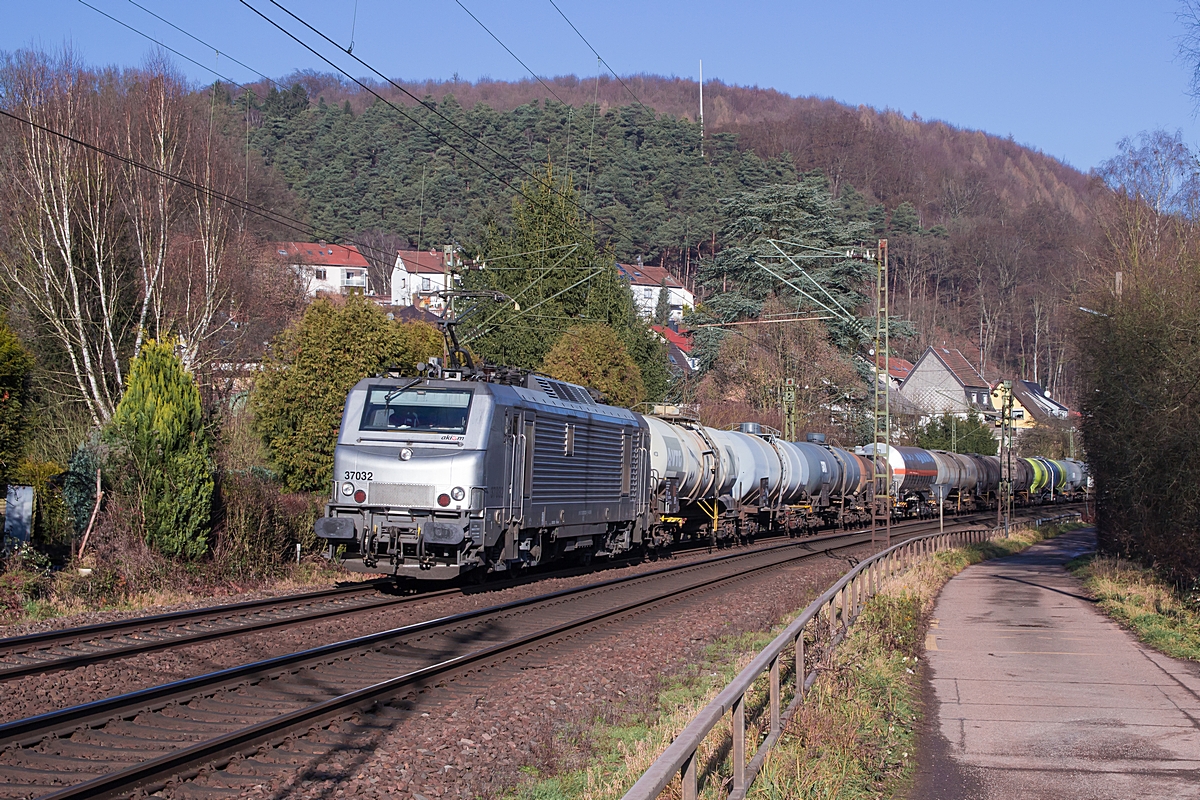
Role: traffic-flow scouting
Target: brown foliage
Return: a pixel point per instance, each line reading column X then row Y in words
column 1140, row 356
column 746, row 380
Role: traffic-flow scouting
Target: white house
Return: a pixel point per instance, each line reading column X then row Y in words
column 646, row 282
column 417, row 275
column 943, row 380
column 323, row 267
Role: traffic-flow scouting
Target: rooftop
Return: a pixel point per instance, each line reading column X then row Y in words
column 1038, row 403
column 421, row 261
column 677, row 338
column 958, row 365
column 645, row 275
column 320, row 254
column 899, row 368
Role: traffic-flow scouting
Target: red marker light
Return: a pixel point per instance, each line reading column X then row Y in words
column 360, row 496
column 443, row 500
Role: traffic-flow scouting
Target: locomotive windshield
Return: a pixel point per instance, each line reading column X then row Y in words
column 418, row 410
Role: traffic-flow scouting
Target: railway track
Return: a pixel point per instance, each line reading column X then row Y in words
column 69, row 648
column 296, row 707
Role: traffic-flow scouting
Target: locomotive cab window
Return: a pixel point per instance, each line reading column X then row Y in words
column 416, row 410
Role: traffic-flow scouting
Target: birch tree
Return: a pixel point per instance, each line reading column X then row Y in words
column 64, row 260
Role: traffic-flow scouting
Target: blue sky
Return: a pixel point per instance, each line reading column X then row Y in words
column 1070, row 77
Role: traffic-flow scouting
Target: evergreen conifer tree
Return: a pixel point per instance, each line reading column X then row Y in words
column 662, row 309
column 159, row 423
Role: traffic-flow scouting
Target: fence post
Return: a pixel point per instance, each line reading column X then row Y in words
column 800, row 672
column 687, row 776
column 775, row 695
column 739, row 745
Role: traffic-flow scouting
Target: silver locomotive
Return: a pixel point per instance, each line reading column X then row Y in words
column 437, row 476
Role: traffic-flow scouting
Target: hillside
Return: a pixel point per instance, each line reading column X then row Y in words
column 985, row 234
column 939, row 168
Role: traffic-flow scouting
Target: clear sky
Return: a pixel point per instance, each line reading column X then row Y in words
column 1069, row 77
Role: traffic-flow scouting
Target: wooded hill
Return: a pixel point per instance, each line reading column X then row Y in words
column 985, row 234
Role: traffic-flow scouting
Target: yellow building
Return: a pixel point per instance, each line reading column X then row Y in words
column 1031, row 404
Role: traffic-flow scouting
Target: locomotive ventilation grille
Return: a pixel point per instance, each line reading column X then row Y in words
column 403, row 495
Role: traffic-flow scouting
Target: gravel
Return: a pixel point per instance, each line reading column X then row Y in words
column 38, row 694
column 480, row 736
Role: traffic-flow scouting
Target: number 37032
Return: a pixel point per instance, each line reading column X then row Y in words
column 357, row 476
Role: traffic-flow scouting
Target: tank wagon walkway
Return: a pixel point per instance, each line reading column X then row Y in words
column 1034, row 693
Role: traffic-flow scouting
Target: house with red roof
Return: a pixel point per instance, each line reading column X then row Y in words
column 943, row 380
column 679, row 348
column 646, row 282
column 324, row 267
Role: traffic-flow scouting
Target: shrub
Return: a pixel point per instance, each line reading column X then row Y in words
column 298, row 399
column 260, row 527
column 79, row 485
column 16, row 366
column 592, row 356
column 159, row 424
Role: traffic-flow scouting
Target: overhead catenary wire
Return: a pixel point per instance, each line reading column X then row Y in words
column 167, row 47
column 508, row 50
column 195, row 38
column 429, row 107
column 600, row 57
column 276, row 217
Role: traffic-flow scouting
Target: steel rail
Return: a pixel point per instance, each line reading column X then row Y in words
column 840, row 605
column 53, row 637
column 150, row 775
column 31, row 646
column 24, row 733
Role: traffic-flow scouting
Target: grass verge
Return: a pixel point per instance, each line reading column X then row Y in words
column 31, row 592
column 853, row 737
column 1157, row 613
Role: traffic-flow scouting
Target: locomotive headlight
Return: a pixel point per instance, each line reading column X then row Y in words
column 347, row 488
column 405, row 454
column 458, row 493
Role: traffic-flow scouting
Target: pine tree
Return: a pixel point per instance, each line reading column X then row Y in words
column 159, row 423
column 662, row 309
column 549, row 264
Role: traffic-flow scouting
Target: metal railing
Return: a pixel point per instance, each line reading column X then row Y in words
column 837, row 608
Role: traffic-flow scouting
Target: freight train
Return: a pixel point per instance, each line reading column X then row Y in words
column 458, row 472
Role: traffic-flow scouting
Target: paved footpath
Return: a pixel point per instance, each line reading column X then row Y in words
column 1032, row 692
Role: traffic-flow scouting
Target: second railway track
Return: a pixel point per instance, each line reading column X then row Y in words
column 144, row 739
column 69, row 648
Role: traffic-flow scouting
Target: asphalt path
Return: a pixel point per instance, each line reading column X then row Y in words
column 1032, row 692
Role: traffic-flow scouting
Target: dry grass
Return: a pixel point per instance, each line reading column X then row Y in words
column 1158, row 614
column 32, row 595
column 852, row 738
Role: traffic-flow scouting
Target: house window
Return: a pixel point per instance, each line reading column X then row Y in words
column 425, row 285
column 648, row 292
column 319, row 274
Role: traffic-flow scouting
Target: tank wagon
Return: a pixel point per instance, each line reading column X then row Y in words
column 461, row 472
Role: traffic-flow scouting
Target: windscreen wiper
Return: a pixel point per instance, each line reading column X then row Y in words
column 394, row 393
